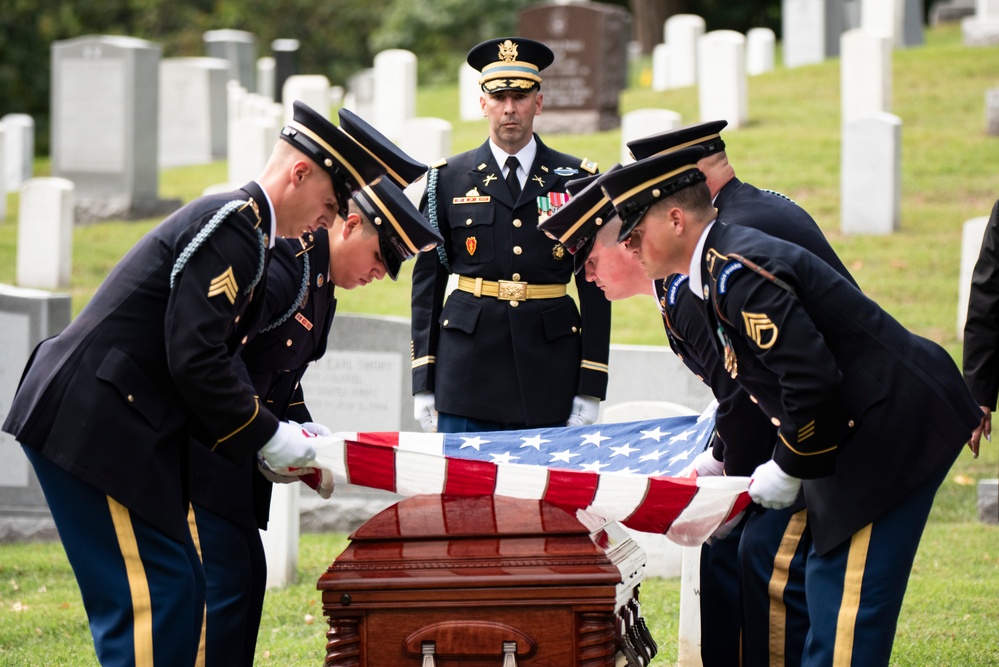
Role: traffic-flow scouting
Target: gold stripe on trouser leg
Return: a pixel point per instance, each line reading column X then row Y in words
column 193, row 527
column 846, row 623
column 142, row 611
column 778, row 582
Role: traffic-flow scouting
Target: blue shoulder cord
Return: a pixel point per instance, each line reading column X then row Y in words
column 208, row 230
column 432, row 217
column 299, row 300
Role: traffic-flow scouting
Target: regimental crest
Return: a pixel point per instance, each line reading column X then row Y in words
column 508, row 51
column 761, row 329
column 558, row 251
column 470, row 245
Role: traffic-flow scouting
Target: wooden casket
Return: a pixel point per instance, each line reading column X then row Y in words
column 485, row 581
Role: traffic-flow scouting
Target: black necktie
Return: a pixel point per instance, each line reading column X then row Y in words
column 512, row 181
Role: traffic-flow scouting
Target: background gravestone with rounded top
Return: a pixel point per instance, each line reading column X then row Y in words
column 590, row 42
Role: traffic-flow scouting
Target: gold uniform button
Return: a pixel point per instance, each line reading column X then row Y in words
column 236, row 321
column 517, row 223
column 516, row 277
column 468, row 222
column 131, row 399
column 753, row 398
column 243, row 342
column 851, row 423
column 287, row 343
column 575, row 330
column 514, row 304
column 775, row 421
column 446, row 322
column 517, row 250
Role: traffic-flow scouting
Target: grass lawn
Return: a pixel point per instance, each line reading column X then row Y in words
column 950, row 174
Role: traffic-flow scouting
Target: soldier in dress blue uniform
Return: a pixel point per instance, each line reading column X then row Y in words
column 106, row 409
column 768, row 549
column 869, row 416
column 230, row 503
column 509, row 348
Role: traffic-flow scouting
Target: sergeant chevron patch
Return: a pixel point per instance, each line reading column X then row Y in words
column 224, row 283
column 761, row 329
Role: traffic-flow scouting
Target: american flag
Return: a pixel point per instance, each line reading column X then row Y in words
column 633, row 472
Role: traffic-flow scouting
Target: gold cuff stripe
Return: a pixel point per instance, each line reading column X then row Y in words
column 846, row 623
column 649, row 183
column 423, row 361
column 593, row 366
column 256, row 411
column 778, row 582
column 823, row 451
column 391, row 218
column 329, row 149
column 135, row 571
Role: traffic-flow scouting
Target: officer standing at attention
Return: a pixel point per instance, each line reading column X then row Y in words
column 869, row 416
column 509, row 349
column 106, row 409
column 230, row 503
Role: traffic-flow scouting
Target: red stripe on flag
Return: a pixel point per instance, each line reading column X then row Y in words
column 389, row 438
column 371, row 465
column 467, row 477
column 664, row 501
column 568, row 488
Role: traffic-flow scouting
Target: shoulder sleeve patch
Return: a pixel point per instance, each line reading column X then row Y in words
column 725, row 274
column 588, row 166
column 674, row 288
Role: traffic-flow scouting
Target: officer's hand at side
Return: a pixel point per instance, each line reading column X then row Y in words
column 984, row 428
column 706, row 465
column 773, row 488
column 291, row 446
column 425, row 410
column 585, row 410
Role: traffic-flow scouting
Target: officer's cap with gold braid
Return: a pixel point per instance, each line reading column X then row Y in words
column 510, row 63
column 706, row 135
column 398, row 166
column 575, row 224
column 402, row 230
column 637, row 186
column 343, row 157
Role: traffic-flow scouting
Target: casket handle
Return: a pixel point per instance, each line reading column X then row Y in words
column 428, row 655
column 509, row 654
column 470, row 640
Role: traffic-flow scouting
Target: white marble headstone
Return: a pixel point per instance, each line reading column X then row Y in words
column 723, row 88
column 681, row 33
column 871, row 175
column 865, row 74
column 803, row 30
column 395, row 91
column 239, row 49
column 45, row 234
column 972, row 233
column 660, row 67
column 193, row 110
column 761, row 44
column 19, row 149
column 312, row 89
column 469, row 93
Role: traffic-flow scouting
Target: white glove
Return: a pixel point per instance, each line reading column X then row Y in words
column 316, row 429
column 275, row 477
column 585, row 410
column 291, row 446
column 773, row 488
column 425, row 410
column 318, row 479
column 706, row 465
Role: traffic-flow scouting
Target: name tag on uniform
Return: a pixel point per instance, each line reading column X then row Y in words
column 482, row 199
